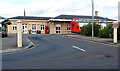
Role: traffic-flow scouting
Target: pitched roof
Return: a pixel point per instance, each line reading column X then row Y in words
column 83, row 17
column 2, row 17
column 59, row 17
column 31, row 18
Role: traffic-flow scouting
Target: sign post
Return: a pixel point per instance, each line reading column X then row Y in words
column 115, row 26
column 19, row 33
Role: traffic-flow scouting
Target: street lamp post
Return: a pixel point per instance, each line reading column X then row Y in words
column 92, row 18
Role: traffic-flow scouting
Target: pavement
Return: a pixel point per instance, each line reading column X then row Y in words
column 94, row 39
column 9, row 44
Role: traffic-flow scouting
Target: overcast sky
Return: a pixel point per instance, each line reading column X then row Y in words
column 52, row 8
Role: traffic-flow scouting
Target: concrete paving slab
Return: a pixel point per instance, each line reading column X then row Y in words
column 9, row 44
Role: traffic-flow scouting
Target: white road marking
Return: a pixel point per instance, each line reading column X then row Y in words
column 79, row 48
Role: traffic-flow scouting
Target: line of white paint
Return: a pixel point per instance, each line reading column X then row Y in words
column 79, row 48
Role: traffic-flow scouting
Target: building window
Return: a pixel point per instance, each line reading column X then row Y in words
column 34, row 27
column 58, row 28
column 42, row 27
column 14, row 26
column 68, row 27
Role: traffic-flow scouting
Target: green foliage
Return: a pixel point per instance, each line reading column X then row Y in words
column 119, row 32
column 38, row 32
column 96, row 30
column 107, row 32
column 87, row 30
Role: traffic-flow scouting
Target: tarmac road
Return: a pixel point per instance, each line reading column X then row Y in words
column 60, row 52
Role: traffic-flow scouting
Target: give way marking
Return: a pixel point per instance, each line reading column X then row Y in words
column 79, row 48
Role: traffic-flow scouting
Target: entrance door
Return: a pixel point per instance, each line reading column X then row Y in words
column 58, row 28
column 25, row 30
column 33, row 28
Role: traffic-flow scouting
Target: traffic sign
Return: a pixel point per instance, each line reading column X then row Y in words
column 115, row 25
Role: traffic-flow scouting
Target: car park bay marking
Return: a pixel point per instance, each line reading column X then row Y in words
column 79, row 48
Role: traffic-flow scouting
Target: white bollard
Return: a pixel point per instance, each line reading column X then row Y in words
column 115, row 26
column 19, row 33
column 115, row 35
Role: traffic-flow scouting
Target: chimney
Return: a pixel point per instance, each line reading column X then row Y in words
column 96, row 13
column 24, row 13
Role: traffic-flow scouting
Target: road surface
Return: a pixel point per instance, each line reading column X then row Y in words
column 60, row 52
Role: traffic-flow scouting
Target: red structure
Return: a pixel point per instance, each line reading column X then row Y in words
column 75, row 28
column 46, row 30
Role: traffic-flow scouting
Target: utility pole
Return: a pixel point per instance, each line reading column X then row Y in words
column 92, row 18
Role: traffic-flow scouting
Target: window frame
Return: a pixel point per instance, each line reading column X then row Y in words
column 14, row 27
column 33, row 26
column 42, row 27
column 68, row 27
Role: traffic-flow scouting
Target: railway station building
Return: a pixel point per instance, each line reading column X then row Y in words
column 52, row 25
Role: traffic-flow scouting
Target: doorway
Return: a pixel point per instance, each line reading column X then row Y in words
column 33, row 28
column 58, row 28
column 25, row 30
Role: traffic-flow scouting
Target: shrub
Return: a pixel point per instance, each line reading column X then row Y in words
column 107, row 32
column 87, row 29
column 96, row 30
